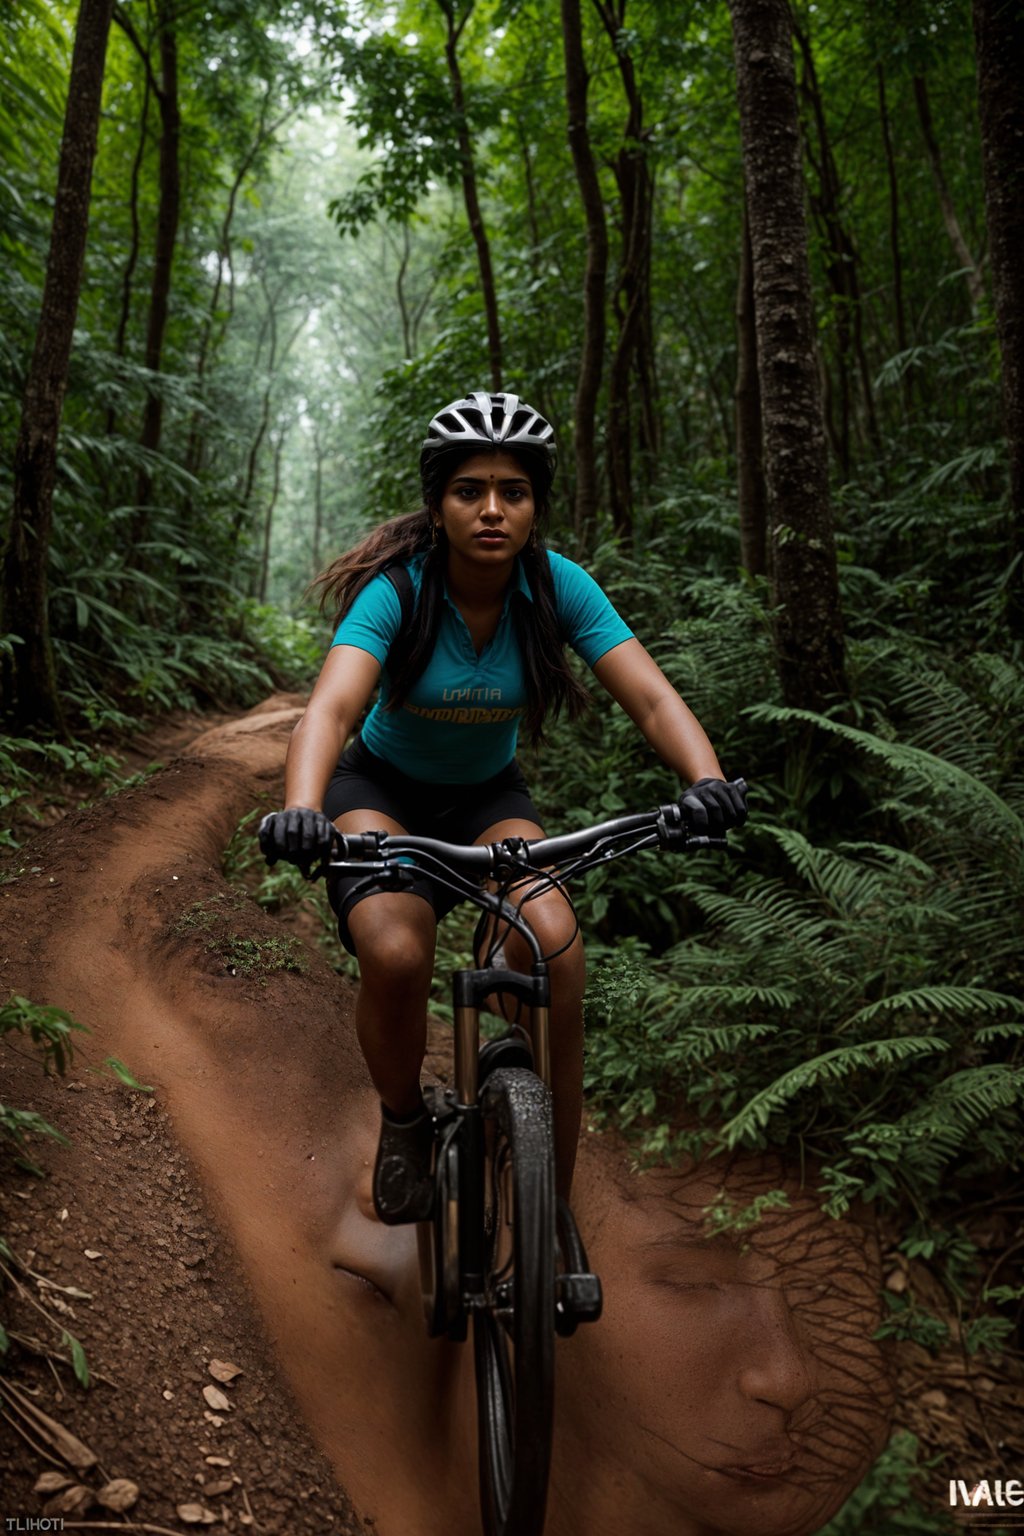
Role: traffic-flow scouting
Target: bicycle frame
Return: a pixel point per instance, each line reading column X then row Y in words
column 493, row 1245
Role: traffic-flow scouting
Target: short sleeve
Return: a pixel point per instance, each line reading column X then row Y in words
column 591, row 624
column 373, row 620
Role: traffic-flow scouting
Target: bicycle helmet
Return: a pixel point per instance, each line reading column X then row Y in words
column 485, row 421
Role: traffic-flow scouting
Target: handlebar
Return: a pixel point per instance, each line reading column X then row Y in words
column 665, row 827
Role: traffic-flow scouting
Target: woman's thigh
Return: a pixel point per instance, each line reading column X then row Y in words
column 380, row 927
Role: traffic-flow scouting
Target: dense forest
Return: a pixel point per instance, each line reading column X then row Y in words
column 759, row 263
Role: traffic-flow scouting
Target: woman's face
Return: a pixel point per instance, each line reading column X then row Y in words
column 733, row 1377
column 487, row 510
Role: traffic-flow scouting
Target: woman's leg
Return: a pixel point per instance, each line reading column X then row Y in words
column 553, row 921
column 394, row 934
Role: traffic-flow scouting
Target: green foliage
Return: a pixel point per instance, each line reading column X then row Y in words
column 50, row 1030
column 891, row 1500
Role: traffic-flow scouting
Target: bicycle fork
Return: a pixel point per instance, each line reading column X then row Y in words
column 470, row 990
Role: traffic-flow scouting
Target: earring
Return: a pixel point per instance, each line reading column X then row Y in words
column 433, row 533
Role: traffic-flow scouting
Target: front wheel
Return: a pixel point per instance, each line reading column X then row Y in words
column 514, row 1326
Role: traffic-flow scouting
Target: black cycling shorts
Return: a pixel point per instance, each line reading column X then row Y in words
column 454, row 813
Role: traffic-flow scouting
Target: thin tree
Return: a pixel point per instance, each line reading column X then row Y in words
column 29, row 675
column 999, row 43
column 633, row 357
column 809, row 631
column 588, row 383
column 751, row 491
column 165, row 89
column 470, row 194
column 968, row 265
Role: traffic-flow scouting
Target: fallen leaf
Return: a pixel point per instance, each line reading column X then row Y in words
column 168, row 1395
column 218, row 1461
column 56, row 1436
column 934, row 1399
column 73, row 1501
column 213, row 1418
column 51, row 1482
column 216, row 1400
column 119, row 1494
column 213, row 1489
column 64, row 1214
column 196, row 1514
column 92, row 1253
column 223, row 1370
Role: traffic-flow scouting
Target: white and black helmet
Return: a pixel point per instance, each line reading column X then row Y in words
column 483, row 421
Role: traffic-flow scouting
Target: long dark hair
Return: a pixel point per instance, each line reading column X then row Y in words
column 550, row 685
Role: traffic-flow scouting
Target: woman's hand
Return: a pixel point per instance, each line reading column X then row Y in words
column 711, row 806
column 299, row 835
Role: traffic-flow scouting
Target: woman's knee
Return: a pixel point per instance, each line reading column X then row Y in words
column 395, row 951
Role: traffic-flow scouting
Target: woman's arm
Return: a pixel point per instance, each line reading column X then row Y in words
column 347, row 678
column 634, row 680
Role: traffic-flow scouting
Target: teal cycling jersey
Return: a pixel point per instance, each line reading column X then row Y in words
column 460, row 722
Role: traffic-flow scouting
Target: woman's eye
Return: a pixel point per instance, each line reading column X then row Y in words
column 688, row 1285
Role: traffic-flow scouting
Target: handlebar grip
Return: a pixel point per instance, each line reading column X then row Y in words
column 358, row 846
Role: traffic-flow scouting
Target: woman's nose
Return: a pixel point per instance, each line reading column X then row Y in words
column 492, row 502
column 779, row 1369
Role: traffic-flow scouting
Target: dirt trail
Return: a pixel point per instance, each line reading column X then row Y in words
column 119, row 914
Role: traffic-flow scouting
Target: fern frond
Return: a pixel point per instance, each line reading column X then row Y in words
column 956, row 1002
column 936, row 774
column 831, row 1066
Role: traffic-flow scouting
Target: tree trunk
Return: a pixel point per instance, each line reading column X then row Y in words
column 633, row 353
column 268, row 521
column 842, row 261
column 133, row 249
column 808, row 636
column 972, row 276
column 751, row 490
column 469, row 191
column 588, row 383
column 899, row 312
column 207, row 344
column 999, row 41
column 29, row 676
column 166, row 235
column 318, row 497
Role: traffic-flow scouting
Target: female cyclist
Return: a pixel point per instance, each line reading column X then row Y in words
column 460, row 614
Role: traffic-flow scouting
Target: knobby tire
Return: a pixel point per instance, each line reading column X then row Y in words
column 513, row 1332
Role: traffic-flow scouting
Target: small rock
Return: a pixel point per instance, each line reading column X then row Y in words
column 196, row 1514
column 224, row 1371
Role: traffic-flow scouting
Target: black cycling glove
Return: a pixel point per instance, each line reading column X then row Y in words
column 711, row 806
column 299, row 836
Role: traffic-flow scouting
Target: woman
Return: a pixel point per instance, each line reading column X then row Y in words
column 491, row 611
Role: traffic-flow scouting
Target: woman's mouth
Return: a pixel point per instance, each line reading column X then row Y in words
column 763, row 1472
column 490, row 536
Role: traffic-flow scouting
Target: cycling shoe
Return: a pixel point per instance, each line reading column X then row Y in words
column 403, row 1180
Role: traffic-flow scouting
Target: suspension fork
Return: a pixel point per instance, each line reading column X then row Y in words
column 470, row 988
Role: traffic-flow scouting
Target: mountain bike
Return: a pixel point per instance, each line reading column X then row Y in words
column 500, row 1248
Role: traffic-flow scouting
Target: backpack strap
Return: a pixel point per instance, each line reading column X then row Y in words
column 398, row 575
